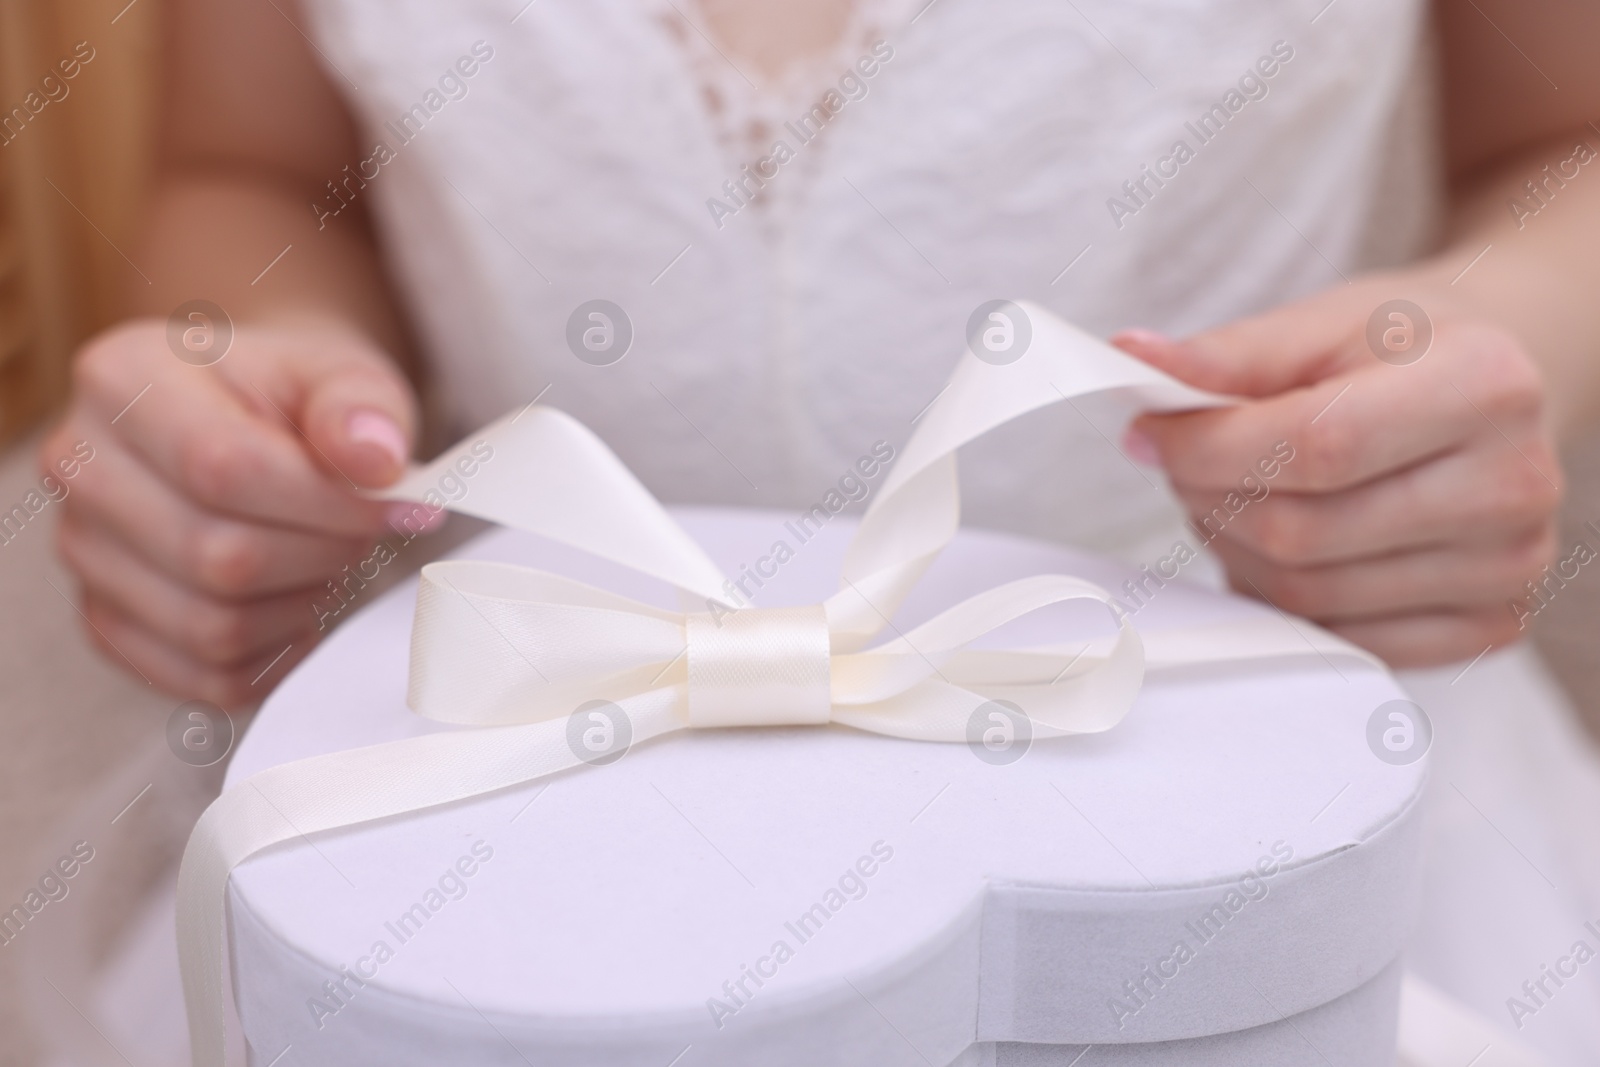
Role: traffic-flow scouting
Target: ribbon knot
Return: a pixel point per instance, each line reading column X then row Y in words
column 758, row 667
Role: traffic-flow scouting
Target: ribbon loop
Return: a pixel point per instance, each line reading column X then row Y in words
column 758, row 667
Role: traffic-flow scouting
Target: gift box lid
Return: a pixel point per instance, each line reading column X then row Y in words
column 1234, row 852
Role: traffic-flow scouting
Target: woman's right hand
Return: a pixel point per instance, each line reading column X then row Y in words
column 219, row 500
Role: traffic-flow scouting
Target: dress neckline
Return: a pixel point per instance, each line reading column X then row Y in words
column 745, row 110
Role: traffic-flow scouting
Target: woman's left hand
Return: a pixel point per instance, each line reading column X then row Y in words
column 1422, row 493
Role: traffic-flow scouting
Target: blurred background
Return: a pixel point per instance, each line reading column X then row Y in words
column 83, row 755
column 81, row 738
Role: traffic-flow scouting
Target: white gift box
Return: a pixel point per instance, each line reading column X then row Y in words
column 1225, row 878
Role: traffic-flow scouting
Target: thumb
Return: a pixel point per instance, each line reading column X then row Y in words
column 359, row 412
column 1263, row 355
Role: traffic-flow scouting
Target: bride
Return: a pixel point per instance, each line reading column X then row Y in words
column 743, row 239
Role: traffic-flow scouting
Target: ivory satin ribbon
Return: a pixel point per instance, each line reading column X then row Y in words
column 511, row 652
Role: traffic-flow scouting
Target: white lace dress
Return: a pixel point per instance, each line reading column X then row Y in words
column 790, row 308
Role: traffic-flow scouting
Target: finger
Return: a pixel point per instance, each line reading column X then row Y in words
column 125, row 642
column 213, row 553
column 1359, row 424
column 353, row 406
column 1288, row 347
column 217, row 633
column 1485, row 494
column 1431, row 639
column 1433, row 579
column 1329, row 437
column 192, row 428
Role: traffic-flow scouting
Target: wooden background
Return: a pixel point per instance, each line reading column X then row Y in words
column 72, row 183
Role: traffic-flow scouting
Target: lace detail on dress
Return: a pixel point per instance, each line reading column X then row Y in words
column 746, row 111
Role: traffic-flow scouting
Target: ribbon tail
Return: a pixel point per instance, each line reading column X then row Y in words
column 1061, row 363
column 889, row 554
column 543, row 471
column 918, row 509
column 342, row 789
column 1250, row 641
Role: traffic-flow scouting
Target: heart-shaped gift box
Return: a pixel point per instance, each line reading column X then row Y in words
column 1224, row 877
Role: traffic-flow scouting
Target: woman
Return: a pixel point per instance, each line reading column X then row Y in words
column 791, row 212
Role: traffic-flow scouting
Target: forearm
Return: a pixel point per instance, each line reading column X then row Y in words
column 253, row 247
column 1540, row 277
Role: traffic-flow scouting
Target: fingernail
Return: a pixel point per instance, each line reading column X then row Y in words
column 1139, row 337
column 407, row 517
column 1141, row 447
column 368, row 427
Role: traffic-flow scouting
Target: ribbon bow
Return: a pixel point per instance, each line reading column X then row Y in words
column 513, row 651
